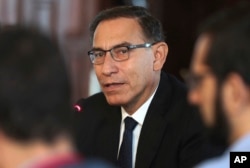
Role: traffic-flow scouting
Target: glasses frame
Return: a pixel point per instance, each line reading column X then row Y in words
column 129, row 47
column 193, row 80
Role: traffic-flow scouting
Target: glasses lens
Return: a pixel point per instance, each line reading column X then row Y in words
column 120, row 53
column 195, row 80
column 97, row 57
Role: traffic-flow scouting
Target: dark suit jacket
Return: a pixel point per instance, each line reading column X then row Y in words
column 170, row 136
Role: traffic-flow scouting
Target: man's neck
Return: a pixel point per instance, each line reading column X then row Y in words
column 134, row 106
column 240, row 126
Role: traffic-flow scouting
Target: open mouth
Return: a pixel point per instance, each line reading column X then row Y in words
column 113, row 84
column 111, row 87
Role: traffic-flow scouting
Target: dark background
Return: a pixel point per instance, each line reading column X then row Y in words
column 180, row 20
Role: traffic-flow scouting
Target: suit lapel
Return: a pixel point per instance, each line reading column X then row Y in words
column 154, row 125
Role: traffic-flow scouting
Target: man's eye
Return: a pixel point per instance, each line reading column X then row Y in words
column 99, row 54
column 121, row 51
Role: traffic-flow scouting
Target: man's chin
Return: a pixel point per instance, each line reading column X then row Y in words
column 114, row 101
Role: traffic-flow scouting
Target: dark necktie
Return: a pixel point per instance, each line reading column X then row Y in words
column 125, row 154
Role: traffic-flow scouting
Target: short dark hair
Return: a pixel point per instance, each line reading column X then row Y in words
column 229, row 31
column 152, row 28
column 34, row 87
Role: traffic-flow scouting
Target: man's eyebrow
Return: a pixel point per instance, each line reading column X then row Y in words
column 117, row 45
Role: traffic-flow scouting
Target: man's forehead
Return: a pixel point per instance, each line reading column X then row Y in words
column 116, row 31
column 200, row 52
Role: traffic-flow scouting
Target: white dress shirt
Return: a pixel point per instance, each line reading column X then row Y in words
column 138, row 116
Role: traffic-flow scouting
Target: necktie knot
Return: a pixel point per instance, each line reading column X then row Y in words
column 130, row 123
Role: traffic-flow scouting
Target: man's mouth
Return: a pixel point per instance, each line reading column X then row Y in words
column 112, row 87
column 113, row 84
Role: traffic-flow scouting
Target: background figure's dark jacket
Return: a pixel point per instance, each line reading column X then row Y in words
column 170, row 136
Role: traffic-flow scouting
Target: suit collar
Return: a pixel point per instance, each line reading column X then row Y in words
column 139, row 114
column 154, row 124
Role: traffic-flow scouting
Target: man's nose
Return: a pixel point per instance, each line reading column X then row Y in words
column 109, row 65
column 194, row 96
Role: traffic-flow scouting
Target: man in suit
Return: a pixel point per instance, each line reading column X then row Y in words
column 128, row 54
column 35, row 108
column 220, row 83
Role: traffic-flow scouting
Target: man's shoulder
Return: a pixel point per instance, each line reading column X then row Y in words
column 95, row 103
column 173, row 82
column 96, row 97
column 93, row 100
column 171, row 99
column 171, row 90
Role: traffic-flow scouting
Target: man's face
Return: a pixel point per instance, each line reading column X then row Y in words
column 128, row 83
column 206, row 93
column 203, row 93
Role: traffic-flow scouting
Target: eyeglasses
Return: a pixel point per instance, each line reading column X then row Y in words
column 118, row 53
column 193, row 81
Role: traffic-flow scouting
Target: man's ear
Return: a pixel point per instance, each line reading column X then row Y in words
column 237, row 92
column 160, row 55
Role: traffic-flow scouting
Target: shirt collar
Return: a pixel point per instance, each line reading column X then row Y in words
column 139, row 114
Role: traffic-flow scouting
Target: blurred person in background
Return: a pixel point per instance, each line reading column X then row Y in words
column 220, row 81
column 128, row 53
column 35, row 109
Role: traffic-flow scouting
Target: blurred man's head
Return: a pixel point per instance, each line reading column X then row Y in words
column 220, row 73
column 128, row 53
column 34, row 91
